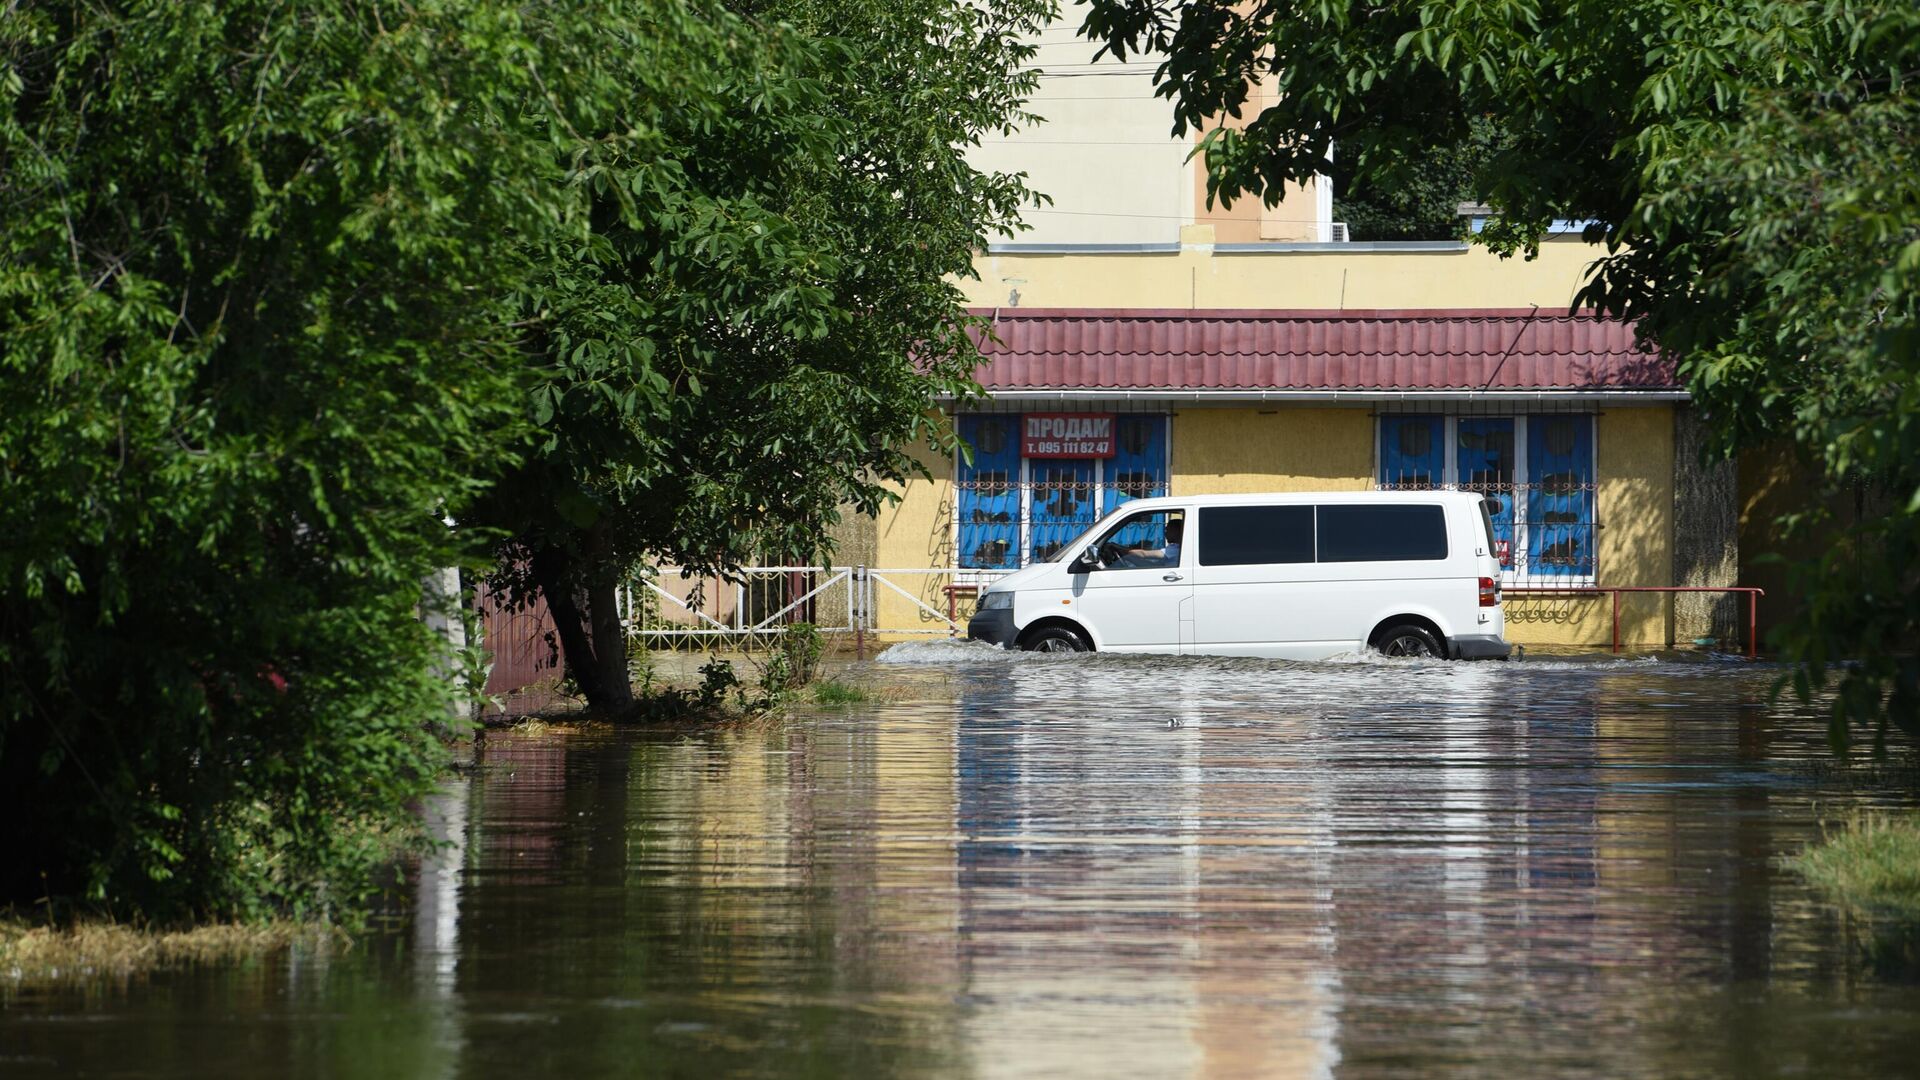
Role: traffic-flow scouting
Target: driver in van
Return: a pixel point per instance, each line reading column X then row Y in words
column 1168, row 555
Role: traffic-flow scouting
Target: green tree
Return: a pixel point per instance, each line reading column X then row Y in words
column 268, row 271
column 755, row 336
column 1425, row 203
column 1751, row 168
column 252, row 341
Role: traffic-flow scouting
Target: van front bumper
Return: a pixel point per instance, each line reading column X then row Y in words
column 1481, row 647
column 995, row 626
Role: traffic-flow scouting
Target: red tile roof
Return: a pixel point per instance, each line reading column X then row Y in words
column 1495, row 349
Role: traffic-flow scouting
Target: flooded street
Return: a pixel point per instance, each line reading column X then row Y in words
column 1098, row 866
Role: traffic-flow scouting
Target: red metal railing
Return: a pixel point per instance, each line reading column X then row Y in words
column 1753, row 602
column 953, row 615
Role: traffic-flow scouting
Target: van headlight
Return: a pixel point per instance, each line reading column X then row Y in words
column 994, row 601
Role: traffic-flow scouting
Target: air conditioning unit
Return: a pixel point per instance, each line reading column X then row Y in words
column 1337, row 232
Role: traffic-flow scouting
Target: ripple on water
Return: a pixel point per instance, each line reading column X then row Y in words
column 1104, row 865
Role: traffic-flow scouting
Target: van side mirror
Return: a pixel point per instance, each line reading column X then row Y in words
column 1084, row 563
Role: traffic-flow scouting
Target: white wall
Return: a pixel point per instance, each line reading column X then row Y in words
column 1105, row 154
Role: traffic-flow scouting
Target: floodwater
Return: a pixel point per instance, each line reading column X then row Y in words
column 1098, row 866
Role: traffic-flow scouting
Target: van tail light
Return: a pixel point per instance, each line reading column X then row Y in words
column 1489, row 592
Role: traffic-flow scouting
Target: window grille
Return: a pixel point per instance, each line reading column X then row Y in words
column 1536, row 472
column 1013, row 510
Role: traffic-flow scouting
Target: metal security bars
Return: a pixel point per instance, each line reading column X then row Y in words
column 1536, row 473
column 1005, row 525
column 1011, row 510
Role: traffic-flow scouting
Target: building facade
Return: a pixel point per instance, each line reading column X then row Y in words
column 1202, row 368
column 1144, row 342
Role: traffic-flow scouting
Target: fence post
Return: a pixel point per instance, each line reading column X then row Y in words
column 857, row 587
column 1616, row 620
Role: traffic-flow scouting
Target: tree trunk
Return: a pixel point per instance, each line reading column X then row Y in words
column 609, row 642
column 592, row 642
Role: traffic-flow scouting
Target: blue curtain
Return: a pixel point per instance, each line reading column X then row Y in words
column 1413, row 451
column 1138, row 468
column 1485, row 461
column 1062, row 502
column 1560, row 495
column 990, row 492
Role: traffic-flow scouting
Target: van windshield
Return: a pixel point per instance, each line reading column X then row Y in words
column 1146, row 528
column 1074, row 544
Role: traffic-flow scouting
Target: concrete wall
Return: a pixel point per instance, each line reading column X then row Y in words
column 1105, row 156
column 1706, row 549
column 1771, row 486
column 1774, row 482
column 1299, row 216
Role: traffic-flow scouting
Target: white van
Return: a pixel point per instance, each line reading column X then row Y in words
column 1299, row 576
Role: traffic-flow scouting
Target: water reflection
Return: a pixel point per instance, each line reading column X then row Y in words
column 1100, row 866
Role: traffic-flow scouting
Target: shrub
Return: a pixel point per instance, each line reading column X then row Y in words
column 1871, row 863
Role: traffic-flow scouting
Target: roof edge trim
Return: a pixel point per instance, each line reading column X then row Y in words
column 1278, row 314
column 1145, row 394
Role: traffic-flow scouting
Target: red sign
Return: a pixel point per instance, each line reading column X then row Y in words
column 1503, row 550
column 1066, row 435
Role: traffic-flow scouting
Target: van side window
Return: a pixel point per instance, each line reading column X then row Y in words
column 1381, row 533
column 1239, row 535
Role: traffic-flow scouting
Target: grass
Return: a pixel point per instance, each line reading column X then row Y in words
column 835, row 692
column 38, row 955
column 1871, row 862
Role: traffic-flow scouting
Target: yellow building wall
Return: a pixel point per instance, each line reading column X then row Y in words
column 1335, row 276
column 916, row 533
column 1230, row 451
column 1227, row 451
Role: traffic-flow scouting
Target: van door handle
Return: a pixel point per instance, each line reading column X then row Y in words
column 1170, row 577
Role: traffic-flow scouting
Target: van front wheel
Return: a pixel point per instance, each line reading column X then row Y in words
column 1054, row 639
column 1407, row 639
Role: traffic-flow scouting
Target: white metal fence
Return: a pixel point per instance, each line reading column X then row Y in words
column 669, row 605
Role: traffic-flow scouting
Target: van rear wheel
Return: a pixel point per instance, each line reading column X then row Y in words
column 1054, row 639
column 1407, row 639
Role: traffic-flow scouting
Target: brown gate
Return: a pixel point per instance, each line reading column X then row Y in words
column 527, row 663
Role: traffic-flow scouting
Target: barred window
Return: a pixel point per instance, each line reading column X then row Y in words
column 1536, row 472
column 1012, row 510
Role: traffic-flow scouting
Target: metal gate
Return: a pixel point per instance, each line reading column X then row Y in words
column 669, row 605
